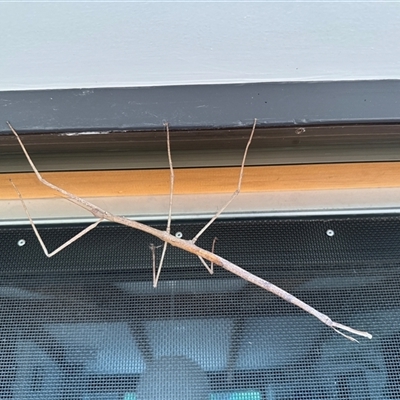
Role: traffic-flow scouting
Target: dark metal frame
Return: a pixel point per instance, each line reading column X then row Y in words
column 201, row 106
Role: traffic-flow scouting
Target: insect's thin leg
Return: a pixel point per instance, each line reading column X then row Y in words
column 210, row 268
column 237, row 191
column 171, row 179
column 160, row 265
column 63, row 246
column 171, row 194
column 212, row 251
column 153, row 256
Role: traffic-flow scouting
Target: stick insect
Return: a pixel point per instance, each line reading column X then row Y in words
column 187, row 245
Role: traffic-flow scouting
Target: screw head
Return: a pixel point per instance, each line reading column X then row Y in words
column 299, row 131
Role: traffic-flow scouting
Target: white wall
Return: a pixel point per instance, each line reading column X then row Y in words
column 89, row 44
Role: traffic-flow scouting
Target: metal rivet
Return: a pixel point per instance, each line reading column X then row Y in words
column 21, row 242
column 179, row 235
column 330, row 232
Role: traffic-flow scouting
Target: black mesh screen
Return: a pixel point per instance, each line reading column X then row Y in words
column 87, row 323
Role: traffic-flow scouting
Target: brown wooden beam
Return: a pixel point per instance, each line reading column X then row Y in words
column 206, row 180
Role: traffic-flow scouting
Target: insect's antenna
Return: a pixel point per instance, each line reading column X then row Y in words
column 236, row 192
column 156, row 275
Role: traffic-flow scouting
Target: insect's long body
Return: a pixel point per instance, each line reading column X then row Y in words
column 187, row 245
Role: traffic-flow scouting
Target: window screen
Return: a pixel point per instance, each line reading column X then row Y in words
column 87, row 323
